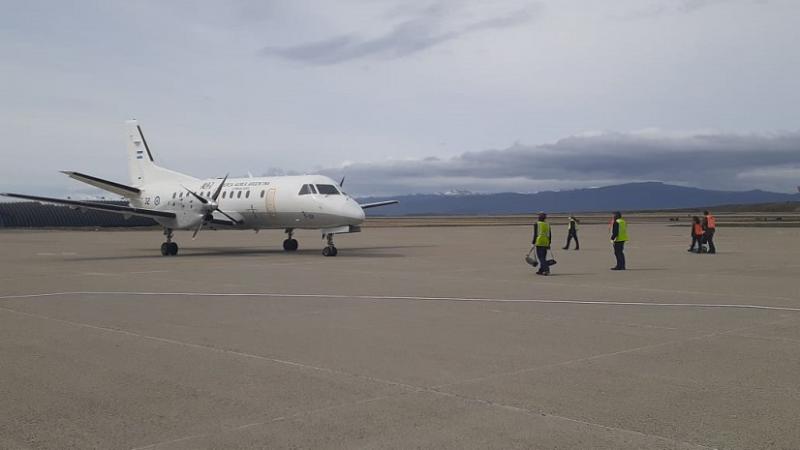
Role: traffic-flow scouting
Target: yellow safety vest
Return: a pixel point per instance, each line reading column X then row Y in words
column 622, row 232
column 543, row 235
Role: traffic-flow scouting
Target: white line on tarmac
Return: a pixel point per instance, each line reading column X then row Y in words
column 412, row 298
column 405, row 386
column 121, row 274
column 607, row 355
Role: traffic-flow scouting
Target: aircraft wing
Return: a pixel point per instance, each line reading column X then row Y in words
column 129, row 210
column 376, row 204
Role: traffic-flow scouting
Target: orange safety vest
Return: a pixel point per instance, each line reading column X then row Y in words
column 712, row 222
column 698, row 229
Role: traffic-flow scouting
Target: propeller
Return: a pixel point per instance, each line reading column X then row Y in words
column 209, row 206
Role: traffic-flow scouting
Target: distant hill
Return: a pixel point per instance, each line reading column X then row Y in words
column 627, row 197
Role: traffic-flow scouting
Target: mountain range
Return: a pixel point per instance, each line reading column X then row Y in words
column 624, row 197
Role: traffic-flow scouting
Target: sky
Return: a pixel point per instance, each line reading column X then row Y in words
column 406, row 96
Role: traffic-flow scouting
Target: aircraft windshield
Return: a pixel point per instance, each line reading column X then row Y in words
column 327, row 189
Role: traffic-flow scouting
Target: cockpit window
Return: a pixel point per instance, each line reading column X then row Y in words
column 313, row 189
column 305, row 190
column 327, row 189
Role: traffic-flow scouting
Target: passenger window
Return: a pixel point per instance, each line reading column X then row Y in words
column 304, row 190
column 239, row 194
column 174, row 194
column 247, row 194
column 223, row 194
column 181, row 195
column 262, row 194
column 327, row 189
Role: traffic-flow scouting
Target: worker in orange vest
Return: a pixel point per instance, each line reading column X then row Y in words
column 697, row 233
column 709, row 228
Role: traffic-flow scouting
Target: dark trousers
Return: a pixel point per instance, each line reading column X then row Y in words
column 541, row 255
column 619, row 252
column 697, row 240
column 709, row 239
column 572, row 234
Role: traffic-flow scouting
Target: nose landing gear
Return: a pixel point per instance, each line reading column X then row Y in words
column 330, row 250
column 290, row 244
column 169, row 248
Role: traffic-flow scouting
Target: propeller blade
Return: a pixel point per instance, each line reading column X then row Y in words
column 202, row 200
column 228, row 216
column 197, row 230
column 219, row 188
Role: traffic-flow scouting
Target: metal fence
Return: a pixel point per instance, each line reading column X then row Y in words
column 37, row 215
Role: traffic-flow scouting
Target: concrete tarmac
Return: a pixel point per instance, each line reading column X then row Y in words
column 410, row 338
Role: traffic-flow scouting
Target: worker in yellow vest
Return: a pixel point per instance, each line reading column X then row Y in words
column 541, row 240
column 619, row 236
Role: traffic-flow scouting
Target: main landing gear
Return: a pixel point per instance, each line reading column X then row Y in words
column 290, row 244
column 169, row 248
column 330, row 250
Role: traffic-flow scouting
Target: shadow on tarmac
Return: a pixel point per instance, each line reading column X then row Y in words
column 194, row 252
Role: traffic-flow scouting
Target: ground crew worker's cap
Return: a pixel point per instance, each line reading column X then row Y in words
column 542, row 215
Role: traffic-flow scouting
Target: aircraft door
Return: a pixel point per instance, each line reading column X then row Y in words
column 271, row 209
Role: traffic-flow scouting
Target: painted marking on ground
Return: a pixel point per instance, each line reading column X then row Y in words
column 405, row 386
column 414, row 298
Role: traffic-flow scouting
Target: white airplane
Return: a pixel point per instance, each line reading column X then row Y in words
column 181, row 202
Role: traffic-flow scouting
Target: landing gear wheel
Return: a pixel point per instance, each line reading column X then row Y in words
column 169, row 248
column 290, row 245
column 330, row 249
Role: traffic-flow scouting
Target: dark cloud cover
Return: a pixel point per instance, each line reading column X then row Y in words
column 409, row 36
column 720, row 161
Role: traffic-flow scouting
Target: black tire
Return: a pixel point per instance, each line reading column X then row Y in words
column 173, row 248
column 334, row 251
column 290, row 245
column 327, row 251
column 165, row 249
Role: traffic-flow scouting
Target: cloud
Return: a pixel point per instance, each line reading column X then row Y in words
column 427, row 29
column 683, row 7
column 710, row 160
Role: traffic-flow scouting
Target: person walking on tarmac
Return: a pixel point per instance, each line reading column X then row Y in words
column 619, row 236
column 541, row 240
column 709, row 227
column 697, row 235
column 572, row 232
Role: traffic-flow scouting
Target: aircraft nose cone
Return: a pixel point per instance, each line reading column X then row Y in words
column 354, row 212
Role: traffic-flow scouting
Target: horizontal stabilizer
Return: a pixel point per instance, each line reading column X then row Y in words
column 110, row 186
column 376, row 204
column 125, row 210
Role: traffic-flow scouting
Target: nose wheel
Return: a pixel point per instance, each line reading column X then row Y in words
column 290, row 244
column 330, row 249
column 169, row 248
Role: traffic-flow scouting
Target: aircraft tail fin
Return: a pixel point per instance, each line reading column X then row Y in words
column 142, row 168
